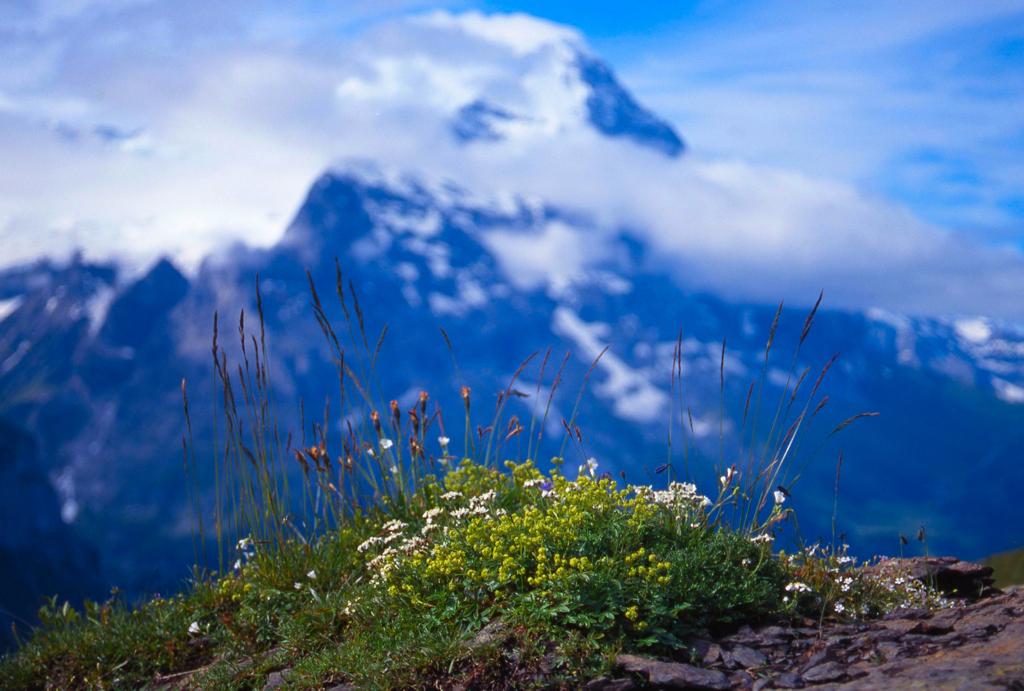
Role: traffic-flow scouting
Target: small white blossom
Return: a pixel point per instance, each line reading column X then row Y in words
column 798, row 587
column 779, row 497
column 839, row 608
column 368, row 544
column 483, row 498
column 244, row 543
column 431, row 513
column 311, row 574
column 370, row 453
column 386, row 443
column 590, row 466
column 763, row 537
column 448, row 496
column 394, row 469
column 727, row 479
column 193, row 627
column 443, row 441
column 298, row 586
column 238, row 564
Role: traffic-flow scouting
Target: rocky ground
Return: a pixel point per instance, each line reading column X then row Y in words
column 976, row 644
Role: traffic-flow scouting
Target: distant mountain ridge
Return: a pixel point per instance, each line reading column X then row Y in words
column 91, row 367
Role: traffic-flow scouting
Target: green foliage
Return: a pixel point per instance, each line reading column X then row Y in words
column 1009, row 567
column 639, row 566
column 828, row 583
column 376, row 565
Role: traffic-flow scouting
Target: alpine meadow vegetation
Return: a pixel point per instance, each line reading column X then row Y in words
column 383, row 557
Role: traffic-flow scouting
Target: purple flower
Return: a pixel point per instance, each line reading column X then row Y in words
column 546, row 486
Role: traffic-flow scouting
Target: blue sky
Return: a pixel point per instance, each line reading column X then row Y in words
column 920, row 102
column 134, row 128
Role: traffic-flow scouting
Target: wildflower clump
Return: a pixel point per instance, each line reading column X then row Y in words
column 647, row 566
column 830, row 583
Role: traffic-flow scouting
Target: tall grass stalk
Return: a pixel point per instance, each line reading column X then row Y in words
column 747, row 489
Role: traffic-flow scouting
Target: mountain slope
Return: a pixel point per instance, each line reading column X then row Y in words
column 91, row 364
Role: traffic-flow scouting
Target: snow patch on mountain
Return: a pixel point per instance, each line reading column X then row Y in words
column 10, row 305
column 906, row 338
column 1008, row 392
column 97, row 306
column 634, row 396
column 973, row 331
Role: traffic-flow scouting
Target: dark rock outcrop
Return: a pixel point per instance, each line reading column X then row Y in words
column 954, row 578
column 973, row 645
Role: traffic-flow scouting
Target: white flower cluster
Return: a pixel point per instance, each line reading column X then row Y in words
column 762, row 538
column 681, row 495
column 797, row 587
column 394, row 532
column 370, row 542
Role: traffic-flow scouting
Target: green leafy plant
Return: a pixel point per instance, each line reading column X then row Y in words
column 374, row 555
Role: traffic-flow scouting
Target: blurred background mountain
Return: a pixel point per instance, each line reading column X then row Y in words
column 490, row 174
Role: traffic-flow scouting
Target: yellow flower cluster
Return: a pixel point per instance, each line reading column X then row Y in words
column 472, row 479
column 551, row 543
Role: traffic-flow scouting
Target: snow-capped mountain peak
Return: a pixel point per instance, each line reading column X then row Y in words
column 528, row 79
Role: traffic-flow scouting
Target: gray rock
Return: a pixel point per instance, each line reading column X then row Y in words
column 747, row 657
column 673, row 675
column 277, row 679
column 606, row 684
column 830, row 671
column 744, row 636
column 741, row 679
column 819, row 658
column 492, row 634
column 948, row 574
column 705, row 652
column 889, row 650
column 788, row 680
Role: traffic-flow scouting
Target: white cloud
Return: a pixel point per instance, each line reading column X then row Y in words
column 228, row 120
column 866, row 93
column 523, row 33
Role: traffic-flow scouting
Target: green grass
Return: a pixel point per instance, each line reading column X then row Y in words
column 1009, row 567
column 377, row 562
